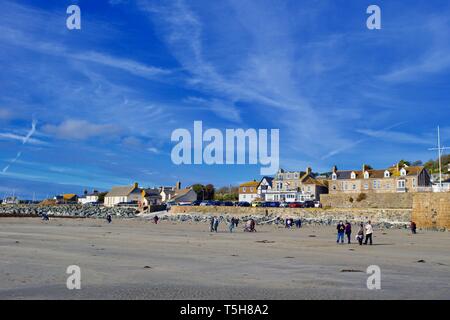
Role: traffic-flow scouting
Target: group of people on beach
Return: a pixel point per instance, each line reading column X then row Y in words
column 364, row 232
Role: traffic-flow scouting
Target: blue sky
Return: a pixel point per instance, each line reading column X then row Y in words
column 106, row 98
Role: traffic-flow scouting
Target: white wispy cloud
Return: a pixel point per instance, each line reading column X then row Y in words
column 80, row 130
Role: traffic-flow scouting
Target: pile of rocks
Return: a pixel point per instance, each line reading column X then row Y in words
column 91, row 211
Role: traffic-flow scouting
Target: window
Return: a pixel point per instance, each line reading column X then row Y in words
column 366, row 175
column 353, row 176
column 388, row 185
column 366, row 186
column 354, row 187
column 387, row 174
column 334, row 176
column 401, row 184
column 251, row 189
column 414, row 182
column 244, row 189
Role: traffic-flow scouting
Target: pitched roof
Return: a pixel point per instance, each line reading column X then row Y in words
column 250, row 184
column 69, row 196
column 181, row 193
column 378, row 173
column 121, row 191
column 150, row 192
column 268, row 179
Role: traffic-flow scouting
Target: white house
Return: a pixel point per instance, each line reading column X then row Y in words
column 89, row 198
column 264, row 187
column 123, row 194
column 248, row 191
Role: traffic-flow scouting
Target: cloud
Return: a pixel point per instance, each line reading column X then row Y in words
column 13, row 136
column 395, row 136
column 81, row 130
column 153, row 150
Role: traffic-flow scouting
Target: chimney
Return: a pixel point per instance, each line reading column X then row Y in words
column 364, row 167
column 136, row 185
column 178, row 185
column 308, row 170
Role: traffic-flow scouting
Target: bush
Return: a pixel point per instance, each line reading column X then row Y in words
column 361, row 197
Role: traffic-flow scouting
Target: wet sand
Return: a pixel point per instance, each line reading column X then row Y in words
column 136, row 259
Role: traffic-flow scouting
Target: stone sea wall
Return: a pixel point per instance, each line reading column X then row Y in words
column 432, row 210
column 387, row 217
column 369, row 200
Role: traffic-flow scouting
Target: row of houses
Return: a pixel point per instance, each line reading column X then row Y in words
column 293, row 186
column 145, row 197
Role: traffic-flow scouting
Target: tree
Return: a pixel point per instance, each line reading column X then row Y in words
column 199, row 189
column 402, row 163
column 101, row 196
column 209, row 192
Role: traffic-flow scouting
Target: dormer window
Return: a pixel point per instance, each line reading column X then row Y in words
column 366, row 175
column 403, row 172
column 387, row 174
column 353, row 175
column 334, row 176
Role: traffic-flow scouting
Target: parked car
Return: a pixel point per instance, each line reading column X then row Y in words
column 257, row 204
column 243, row 204
column 185, row 203
column 317, row 204
column 228, row 203
column 271, row 204
column 284, row 205
column 296, row 205
column 196, row 202
column 308, row 204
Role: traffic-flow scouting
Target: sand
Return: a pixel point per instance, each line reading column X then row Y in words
column 136, row 259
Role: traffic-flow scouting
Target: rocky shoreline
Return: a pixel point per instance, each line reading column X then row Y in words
column 75, row 211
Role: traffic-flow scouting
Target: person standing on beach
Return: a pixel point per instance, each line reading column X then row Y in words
column 211, row 226
column 108, row 218
column 413, row 227
column 236, row 222
column 231, row 225
column 155, row 219
column 348, row 231
column 340, row 232
column 360, row 235
column 369, row 232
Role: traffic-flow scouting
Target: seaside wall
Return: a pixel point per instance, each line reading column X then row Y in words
column 375, row 215
column 432, row 210
column 371, row 200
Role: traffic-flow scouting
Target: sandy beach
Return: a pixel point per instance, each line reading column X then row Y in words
column 136, row 259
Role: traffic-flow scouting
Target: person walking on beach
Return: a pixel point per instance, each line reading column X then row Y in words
column 236, row 222
column 348, row 231
column 360, row 235
column 108, row 218
column 216, row 223
column 340, row 232
column 369, row 232
column 155, row 219
column 413, row 227
column 298, row 223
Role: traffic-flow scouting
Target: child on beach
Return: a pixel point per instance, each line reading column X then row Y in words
column 360, row 235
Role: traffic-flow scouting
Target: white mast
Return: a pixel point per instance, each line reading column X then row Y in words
column 439, row 149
